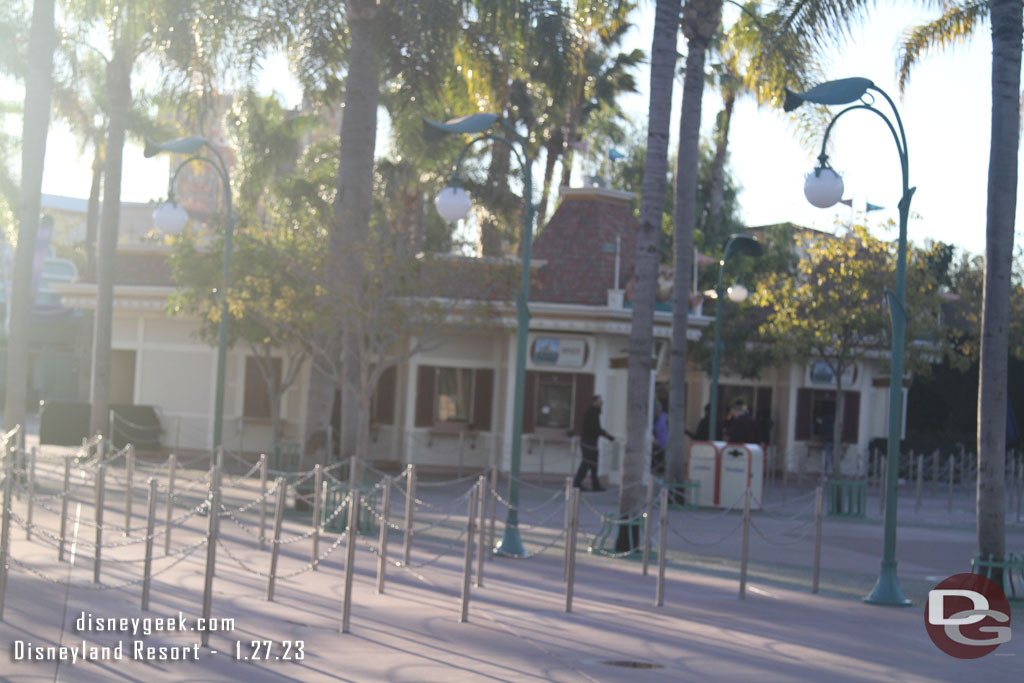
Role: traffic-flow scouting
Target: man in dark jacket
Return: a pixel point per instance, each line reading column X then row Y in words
column 590, row 432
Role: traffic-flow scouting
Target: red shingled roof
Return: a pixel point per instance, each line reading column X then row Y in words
column 578, row 244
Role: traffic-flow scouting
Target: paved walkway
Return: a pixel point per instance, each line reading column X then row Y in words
column 518, row 629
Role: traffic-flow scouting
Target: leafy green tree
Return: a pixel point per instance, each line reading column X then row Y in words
column 834, row 309
column 281, row 185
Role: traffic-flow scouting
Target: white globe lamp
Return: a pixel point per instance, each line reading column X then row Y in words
column 823, row 187
column 452, row 203
column 170, row 217
column 737, row 293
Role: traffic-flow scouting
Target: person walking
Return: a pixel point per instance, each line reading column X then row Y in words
column 590, row 432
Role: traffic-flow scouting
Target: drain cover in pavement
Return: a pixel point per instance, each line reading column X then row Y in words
column 629, row 664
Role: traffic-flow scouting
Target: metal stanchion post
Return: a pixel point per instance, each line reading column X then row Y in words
column 462, row 443
column 647, row 522
column 567, row 522
column 31, row 493
column 5, row 526
column 172, row 471
column 64, row 489
column 263, row 500
column 211, row 552
column 467, row 568
column 410, row 499
column 147, row 571
column 350, row 559
column 385, row 519
column 949, row 504
column 494, row 510
column 317, row 485
column 574, row 520
column 659, row 592
column 129, row 475
column 816, row 572
column 744, row 548
column 481, row 515
column 935, row 472
column 920, row 483
column 101, row 472
column 1020, row 484
column 276, row 542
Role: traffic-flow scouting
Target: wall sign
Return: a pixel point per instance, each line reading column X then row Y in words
column 818, row 372
column 559, row 352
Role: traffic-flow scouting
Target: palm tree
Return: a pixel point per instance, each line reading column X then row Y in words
column 1007, row 19
column 663, row 62
column 35, row 125
column 398, row 45
column 700, row 22
column 597, row 76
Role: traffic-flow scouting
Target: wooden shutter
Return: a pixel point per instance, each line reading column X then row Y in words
column 803, row 414
column 584, row 394
column 425, row 395
column 529, row 401
column 384, row 397
column 257, row 399
column 851, row 416
column 764, row 402
column 483, row 394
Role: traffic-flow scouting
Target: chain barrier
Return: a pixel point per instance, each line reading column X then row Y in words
column 462, row 499
column 706, row 544
column 235, row 480
column 789, row 518
column 808, row 525
column 151, row 429
column 174, row 522
column 379, row 517
column 547, row 546
column 258, row 499
column 448, row 549
column 185, row 553
column 266, row 575
column 544, row 521
column 510, row 506
column 447, row 482
column 716, row 515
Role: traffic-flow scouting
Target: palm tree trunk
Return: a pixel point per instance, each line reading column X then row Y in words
column 1002, row 204
column 663, row 62
column 698, row 34
column 354, row 202
column 716, row 200
column 36, row 123
column 552, row 150
column 92, row 214
column 119, row 95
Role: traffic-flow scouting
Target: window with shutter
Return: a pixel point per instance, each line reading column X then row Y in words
column 425, row 395
column 483, row 395
column 384, row 398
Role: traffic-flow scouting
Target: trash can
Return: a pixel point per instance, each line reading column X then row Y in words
column 742, row 465
column 702, row 468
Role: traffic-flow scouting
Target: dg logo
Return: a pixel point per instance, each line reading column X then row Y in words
column 967, row 616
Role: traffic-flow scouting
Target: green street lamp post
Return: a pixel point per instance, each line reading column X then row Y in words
column 824, row 188
column 452, row 204
column 171, row 217
column 740, row 245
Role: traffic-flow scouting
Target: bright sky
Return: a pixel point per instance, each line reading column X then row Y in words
column 946, row 113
